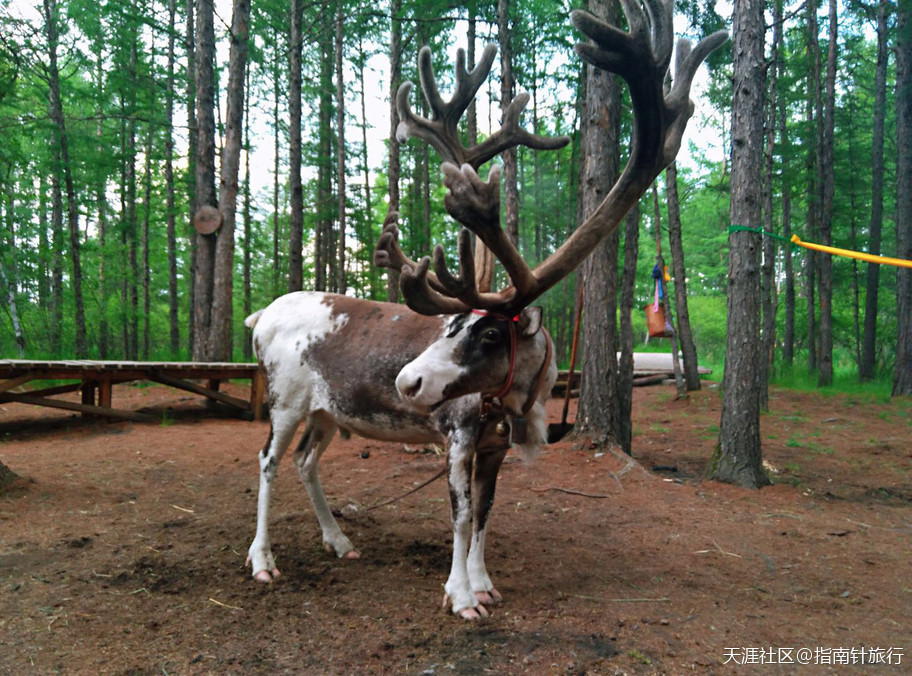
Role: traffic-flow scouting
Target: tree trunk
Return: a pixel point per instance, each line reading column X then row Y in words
column 171, row 216
column 392, row 277
column 675, row 241
column 62, row 152
column 814, row 172
column 625, row 364
column 220, row 342
column 146, row 269
column 278, row 52
column 598, row 416
column 129, row 288
column 370, row 235
column 324, row 260
column 902, row 375
column 57, row 249
column 9, row 282
column 104, row 337
column 828, row 180
column 737, row 457
column 248, row 226
column 509, row 180
column 205, row 177
column 768, row 268
column 868, row 365
column 192, row 151
column 663, row 293
column 788, row 338
column 296, row 224
column 340, row 151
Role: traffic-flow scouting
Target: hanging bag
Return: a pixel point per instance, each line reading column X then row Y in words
column 656, row 324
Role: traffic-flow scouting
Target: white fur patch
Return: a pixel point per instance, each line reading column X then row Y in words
column 422, row 381
column 282, row 333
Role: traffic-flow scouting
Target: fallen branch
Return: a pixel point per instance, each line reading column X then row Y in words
column 570, row 491
column 663, row 599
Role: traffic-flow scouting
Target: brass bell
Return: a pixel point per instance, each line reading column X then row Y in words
column 502, row 429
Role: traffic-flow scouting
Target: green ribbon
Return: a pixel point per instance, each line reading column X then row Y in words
column 760, row 231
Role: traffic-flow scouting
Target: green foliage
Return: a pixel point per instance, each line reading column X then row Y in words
column 114, row 77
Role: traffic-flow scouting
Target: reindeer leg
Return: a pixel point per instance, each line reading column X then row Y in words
column 317, row 435
column 259, row 555
column 487, row 465
column 458, row 588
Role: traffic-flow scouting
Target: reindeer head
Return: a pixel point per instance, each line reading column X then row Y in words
column 473, row 354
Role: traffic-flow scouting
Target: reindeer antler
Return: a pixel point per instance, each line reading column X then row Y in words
column 641, row 57
column 442, row 132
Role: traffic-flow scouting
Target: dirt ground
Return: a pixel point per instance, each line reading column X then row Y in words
column 123, row 550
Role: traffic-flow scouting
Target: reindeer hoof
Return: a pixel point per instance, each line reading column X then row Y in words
column 471, row 614
column 488, row 598
column 267, row 576
column 264, row 576
column 350, row 554
column 474, row 614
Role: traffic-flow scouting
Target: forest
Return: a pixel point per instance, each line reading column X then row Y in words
column 120, row 120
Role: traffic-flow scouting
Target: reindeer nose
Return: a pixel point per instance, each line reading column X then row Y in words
column 412, row 391
column 409, row 385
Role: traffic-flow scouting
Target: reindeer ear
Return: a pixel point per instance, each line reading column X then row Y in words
column 530, row 321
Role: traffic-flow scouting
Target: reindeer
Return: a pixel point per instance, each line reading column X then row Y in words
column 461, row 365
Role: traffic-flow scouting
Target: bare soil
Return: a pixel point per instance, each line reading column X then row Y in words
column 122, row 549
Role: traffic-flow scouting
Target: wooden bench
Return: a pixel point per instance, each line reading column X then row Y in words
column 96, row 380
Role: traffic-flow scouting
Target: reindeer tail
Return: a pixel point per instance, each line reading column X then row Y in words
column 251, row 321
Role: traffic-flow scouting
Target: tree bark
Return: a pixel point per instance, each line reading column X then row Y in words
column 902, row 374
column 57, row 249
column 788, row 338
column 276, row 162
column 129, row 239
column 663, row 293
column 737, row 457
column 814, row 172
column 507, row 85
column 340, row 151
column 248, row 225
column 828, row 179
column 192, row 151
column 625, row 363
column 220, row 348
column 598, row 416
column 144, row 243
column 868, row 365
column 171, row 216
column 324, row 259
column 296, row 224
column 62, row 152
column 104, row 337
column 8, row 282
column 768, row 267
column 392, row 277
column 205, row 176
column 676, row 242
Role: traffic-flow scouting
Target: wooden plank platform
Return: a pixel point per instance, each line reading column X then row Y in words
column 648, row 368
column 96, row 380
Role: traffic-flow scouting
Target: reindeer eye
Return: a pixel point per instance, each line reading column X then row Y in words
column 490, row 336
